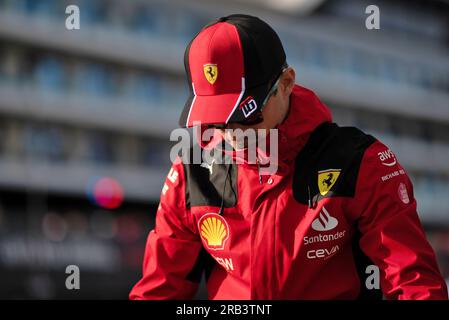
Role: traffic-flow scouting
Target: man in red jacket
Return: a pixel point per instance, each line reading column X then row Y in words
column 338, row 206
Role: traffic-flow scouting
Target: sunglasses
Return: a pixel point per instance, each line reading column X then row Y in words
column 257, row 116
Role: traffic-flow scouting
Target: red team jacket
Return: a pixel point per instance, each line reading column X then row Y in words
column 339, row 202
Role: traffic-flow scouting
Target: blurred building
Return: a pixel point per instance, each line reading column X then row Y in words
column 79, row 105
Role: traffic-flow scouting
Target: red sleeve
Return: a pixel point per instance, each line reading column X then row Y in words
column 392, row 235
column 172, row 247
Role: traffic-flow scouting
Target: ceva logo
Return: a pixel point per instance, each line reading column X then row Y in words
column 322, row 253
column 324, row 222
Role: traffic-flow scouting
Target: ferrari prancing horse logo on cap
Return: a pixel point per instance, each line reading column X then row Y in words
column 210, row 72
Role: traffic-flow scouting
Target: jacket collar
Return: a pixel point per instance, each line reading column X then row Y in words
column 306, row 113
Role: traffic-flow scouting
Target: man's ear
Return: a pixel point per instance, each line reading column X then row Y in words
column 288, row 80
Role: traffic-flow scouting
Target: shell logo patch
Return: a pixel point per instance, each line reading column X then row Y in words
column 326, row 180
column 210, row 72
column 214, row 231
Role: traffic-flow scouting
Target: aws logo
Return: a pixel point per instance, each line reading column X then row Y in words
column 214, row 231
column 387, row 158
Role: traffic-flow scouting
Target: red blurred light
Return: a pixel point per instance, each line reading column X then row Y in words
column 108, row 193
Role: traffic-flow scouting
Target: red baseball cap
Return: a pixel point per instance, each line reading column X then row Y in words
column 231, row 64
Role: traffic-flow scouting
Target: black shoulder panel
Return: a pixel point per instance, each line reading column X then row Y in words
column 205, row 183
column 330, row 147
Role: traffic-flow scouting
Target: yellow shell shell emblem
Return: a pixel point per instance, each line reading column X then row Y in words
column 210, row 72
column 214, row 231
column 327, row 179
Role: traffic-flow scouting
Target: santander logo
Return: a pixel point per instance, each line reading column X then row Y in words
column 324, row 222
